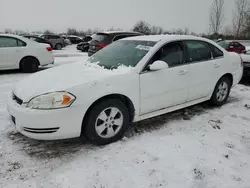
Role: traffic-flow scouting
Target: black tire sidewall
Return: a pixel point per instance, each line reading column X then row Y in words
column 60, row 46
column 89, row 125
column 29, row 65
column 214, row 99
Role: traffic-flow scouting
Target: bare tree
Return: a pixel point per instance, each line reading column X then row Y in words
column 239, row 16
column 217, row 15
column 142, row 27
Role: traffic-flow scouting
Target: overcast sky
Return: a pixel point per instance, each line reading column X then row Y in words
column 58, row 15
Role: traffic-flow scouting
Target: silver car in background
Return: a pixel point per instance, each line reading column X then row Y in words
column 57, row 41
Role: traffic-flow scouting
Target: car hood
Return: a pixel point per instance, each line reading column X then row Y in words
column 60, row 79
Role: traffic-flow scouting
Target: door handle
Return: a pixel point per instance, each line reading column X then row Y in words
column 216, row 65
column 183, row 72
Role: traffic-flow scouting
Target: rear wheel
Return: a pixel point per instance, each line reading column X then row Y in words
column 106, row 122
column 58, row 46
column 221, row 91
column 29, row 65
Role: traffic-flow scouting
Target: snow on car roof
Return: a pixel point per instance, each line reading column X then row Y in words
column 157, row 38
column 9, row 35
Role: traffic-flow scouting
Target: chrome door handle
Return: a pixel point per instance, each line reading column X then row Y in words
column 183, row 72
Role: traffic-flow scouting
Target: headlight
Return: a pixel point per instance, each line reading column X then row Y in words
column 52, row 100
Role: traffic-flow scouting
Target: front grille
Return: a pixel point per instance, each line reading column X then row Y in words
column 17, row 99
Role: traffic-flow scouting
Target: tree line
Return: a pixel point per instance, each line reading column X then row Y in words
column 238, row 29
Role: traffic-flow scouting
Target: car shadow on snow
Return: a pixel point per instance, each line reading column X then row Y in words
column 17, row 71
column 65, row 148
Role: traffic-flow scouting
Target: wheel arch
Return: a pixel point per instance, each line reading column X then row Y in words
column 228, row 75
column 126, row 100
column 28, row 56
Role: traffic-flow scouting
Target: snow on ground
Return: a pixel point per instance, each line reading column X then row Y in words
column 200, row 147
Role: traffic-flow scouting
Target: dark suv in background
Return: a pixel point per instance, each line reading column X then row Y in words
column 102, row 39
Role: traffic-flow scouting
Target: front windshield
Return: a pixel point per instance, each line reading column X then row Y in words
column 122, row 53
column 223, row 44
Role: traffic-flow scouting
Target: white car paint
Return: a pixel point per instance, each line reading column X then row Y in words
column 151, row 93
column 10, row 57
column 246, row 57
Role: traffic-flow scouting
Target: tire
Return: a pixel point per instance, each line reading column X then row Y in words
column 221, row 91
column 29, row 65
column 101, row 127
column 58, row 46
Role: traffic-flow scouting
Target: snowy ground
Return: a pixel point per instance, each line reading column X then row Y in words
column 200, row 147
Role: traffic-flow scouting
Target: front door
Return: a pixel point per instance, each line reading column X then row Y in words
column 8, row 52
column 167, row 87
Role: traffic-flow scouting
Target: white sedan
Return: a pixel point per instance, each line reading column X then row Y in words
column 17, row 52
column 128, row 81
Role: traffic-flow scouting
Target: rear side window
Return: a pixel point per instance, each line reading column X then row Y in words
column 216, row 51
column 99, row 37
column 198, row 51
column 7, row 42
column 20, row 43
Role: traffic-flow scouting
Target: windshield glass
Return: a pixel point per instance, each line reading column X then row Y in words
column 122, row 52
column 223, row 44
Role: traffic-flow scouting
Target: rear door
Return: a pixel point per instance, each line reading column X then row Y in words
column 202, row 67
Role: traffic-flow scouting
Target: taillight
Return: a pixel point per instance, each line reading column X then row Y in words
column 102, row 45
column 49, row 49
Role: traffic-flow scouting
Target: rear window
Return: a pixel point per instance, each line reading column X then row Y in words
column 100, row 37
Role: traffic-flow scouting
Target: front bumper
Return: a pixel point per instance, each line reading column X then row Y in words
column 46, row 124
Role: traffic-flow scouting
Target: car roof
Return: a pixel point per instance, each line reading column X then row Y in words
column 157, row 38
column 9, row 35
column 119, row 32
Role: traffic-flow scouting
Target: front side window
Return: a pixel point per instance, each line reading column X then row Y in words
column 198, row 51
column 8, row 42
column 122, row 53
column 172, row 54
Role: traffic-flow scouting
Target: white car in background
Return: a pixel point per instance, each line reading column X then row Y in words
column 17, row 52
column 246, row 63
column 130, row 80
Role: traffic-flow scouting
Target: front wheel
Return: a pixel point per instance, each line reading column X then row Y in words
column 221, row 91
column 106, row 122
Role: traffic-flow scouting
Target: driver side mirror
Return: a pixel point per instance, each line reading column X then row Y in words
column 158, row 65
